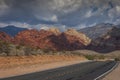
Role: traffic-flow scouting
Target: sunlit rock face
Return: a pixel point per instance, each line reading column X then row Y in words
column 82, row 37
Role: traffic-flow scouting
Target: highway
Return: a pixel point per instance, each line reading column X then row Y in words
column 82, row 71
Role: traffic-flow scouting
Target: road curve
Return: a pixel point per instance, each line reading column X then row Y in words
column 82, row 71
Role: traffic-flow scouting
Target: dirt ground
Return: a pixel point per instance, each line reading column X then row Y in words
column 12, row 66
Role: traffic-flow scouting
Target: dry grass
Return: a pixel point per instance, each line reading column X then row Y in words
column 14, row 61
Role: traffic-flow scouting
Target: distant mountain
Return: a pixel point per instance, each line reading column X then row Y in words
column 108, row 42
column 98, row 30
column 12, row 30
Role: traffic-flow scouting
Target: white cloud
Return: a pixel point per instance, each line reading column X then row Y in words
column 3, row 24
column 118, row 9
column 81, row 26
column 62, row 28
column 88, row 14
column 65, row 5
column 117, row 22
column 46, row 17
column 44, row 28
column 17, row 24
column 50, row 9
column 114, row 12
column 69, row 12
column 51, row 18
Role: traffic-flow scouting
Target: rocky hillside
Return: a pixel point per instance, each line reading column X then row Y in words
column 108, row 42
column 5, row 37
column 98, row 30
column 52, row 39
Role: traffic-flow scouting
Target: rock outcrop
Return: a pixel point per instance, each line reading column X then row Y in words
column 5, row 37
column 82, row 37
column 52, row 39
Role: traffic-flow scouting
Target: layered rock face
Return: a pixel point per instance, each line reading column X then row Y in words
column 5, row 37
column 108, row 42
column 52, row 39
column 33, row 38
column 82, row 37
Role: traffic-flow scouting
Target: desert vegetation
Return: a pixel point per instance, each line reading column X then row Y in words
column 8, row 49
column 18, row 55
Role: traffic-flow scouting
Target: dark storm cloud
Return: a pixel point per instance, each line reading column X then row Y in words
column 60, row 12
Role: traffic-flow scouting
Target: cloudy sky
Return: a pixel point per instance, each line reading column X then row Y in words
column 60, row 13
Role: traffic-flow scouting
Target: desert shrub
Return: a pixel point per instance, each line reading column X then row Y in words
column 90, row 57
column 101, row 57
column 28, row 51
column 4, row 47
column 117, row 59
column 12, row 50
column 18, row 47
column 46, row 50
column 39, row 52
column 20, row 52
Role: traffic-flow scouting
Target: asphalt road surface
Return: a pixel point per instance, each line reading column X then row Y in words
column 82, row 71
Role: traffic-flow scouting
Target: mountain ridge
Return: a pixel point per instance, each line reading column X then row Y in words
column 12, row 30
column 108, row 42
column 97, row 30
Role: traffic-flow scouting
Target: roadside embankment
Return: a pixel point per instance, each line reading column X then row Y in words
column 14, row 65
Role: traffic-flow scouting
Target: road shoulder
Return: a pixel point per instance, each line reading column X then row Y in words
column 35, row 68
column 114, row 75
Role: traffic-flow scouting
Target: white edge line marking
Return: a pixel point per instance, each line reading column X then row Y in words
column 107, row 72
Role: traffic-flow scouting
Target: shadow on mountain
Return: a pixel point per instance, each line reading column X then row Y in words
column 101, row 49
column 62, row 42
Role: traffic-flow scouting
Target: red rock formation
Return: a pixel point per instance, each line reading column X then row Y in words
column 5, row 37
column 80, row 36
column 52, row 39
column 34, row 38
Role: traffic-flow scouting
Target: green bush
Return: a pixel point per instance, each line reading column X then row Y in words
column 117, row 59
column 90, row 57
column 47, row 50
column 28, row 51
column 4, row 47
column 101, row 57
